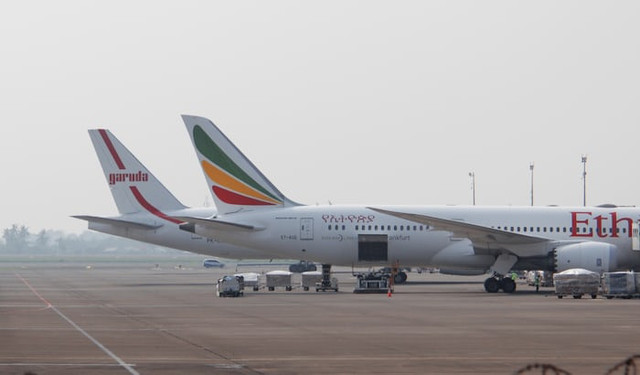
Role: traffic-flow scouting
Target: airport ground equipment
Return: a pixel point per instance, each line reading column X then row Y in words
column 310, row 279
column 545, row 277
column 230, row 286
column 251, row 280
column 576, row 282
column 279, row 279
column 620, row 285
column 327, row 283
column 373, row 282
column 302, row 266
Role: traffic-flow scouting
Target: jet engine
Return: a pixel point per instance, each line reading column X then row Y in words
column 593, row 256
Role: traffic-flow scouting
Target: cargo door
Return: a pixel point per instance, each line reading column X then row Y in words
column 373, row 247
column 306, row 228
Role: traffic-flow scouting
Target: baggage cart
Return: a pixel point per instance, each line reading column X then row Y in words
column 251, row 280
column 619, row 284
column 279, row 279
column 310, row 279
column 576, row 282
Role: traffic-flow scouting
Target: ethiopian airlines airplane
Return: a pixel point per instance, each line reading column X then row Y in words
column 253, row 213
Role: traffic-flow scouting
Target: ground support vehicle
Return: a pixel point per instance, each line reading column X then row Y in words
column 327, row 283
column 302, row 266
column 373, row 282
column 229, row 286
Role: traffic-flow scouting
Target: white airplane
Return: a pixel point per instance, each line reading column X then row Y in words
column 468, row 240
column 147, row 208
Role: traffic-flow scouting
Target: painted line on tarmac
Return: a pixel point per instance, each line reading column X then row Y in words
column 59, row 364
column 79, row 329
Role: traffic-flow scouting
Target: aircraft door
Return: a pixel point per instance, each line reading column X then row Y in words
column 306, row 228
column 373, row 247
column 635, row 239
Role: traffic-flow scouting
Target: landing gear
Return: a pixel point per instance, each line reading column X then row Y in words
column 508, row 285
column 400, row 278
column 494, row 284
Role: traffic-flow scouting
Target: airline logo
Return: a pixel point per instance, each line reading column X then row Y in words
column 606, row 225
column 128, row 177
column 231, row 184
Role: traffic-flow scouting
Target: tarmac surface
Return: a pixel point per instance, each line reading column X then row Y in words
column 119, row 318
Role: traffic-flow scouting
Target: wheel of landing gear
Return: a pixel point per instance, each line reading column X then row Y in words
column 491, row 285
column 508, row 285
column 400, row 278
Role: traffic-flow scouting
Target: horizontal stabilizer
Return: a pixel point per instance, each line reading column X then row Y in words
column 476, row 233
column 117, row 222
column 214, row 224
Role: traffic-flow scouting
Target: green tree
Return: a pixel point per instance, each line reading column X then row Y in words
column 16, row 238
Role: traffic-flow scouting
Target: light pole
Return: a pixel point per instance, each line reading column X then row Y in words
column 473, row 186
column 531, row 169
column 584, row 180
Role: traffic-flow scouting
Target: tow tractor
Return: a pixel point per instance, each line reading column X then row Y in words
column 373, row 282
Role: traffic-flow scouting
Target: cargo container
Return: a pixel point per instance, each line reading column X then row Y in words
column 576, row 282
column 310, row 279
column 279, row 279
column 619, row 284
column 251, row 280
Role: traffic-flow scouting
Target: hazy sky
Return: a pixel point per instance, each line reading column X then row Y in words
column 353, row 102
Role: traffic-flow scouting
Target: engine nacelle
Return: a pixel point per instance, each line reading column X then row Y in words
column 593, row 256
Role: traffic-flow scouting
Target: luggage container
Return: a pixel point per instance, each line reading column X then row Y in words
column 577, row 282
column 229, row 286
column 279, row 279
column 310, row 278
column 251, row 280
column 619, row 284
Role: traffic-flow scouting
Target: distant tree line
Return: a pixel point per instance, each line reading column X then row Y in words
column 19, row 240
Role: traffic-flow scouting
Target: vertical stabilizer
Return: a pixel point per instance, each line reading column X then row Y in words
column 236, row 184
column 134, row 188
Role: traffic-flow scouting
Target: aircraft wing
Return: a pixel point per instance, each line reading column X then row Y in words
column 478, row 234
column 118, row 222
column 215, row 224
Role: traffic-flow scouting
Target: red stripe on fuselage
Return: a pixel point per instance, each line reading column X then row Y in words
column 112, row 149
column 149, row 207
column 230, row 197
